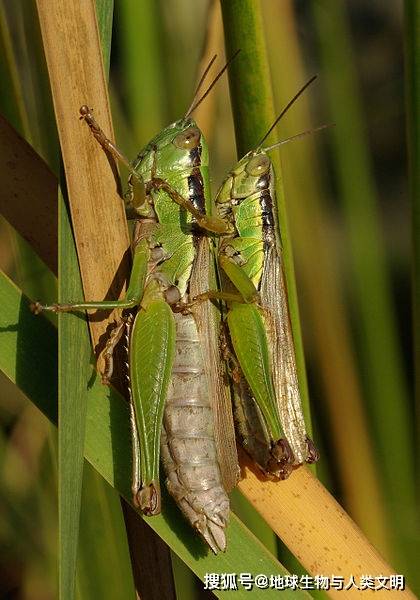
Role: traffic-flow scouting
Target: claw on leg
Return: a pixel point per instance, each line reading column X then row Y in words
column 282, row 458
column 36, row 308
column 313, row 452
column 147, row 499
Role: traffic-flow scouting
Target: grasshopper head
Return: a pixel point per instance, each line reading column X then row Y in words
column 250, row 175
column 179, row 147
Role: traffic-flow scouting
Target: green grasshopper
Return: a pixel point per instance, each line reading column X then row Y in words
column 268, row 409
column 176, row 379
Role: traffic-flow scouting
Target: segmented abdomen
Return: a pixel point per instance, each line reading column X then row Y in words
column 188, row 448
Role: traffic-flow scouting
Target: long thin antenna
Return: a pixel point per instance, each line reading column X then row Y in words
column 298, row 135
column 286, row 108
column 194, row 106
column 200, row 83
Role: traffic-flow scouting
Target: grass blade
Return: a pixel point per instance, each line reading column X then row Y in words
column 140, row 37
column 103, row 567
column 104, row 17
column 11, row 100
column 73, row 349
column 27, row 176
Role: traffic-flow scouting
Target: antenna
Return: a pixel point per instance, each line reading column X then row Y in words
column 298, row 135
column 285, row 109
column 200, row 83
column 196, row 104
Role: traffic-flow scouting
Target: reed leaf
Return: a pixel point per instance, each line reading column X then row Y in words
column 103, row 566
column 143, row 83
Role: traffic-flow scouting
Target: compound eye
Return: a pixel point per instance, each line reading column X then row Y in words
column 258, row 165
column 188, row 139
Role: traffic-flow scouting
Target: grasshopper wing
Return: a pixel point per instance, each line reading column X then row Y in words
column 274, row 300
column 208, row 321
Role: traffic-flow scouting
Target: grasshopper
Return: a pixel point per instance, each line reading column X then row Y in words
column 176, row 377
column 267, row 401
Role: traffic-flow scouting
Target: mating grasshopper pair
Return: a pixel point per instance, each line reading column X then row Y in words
column 180, row 406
